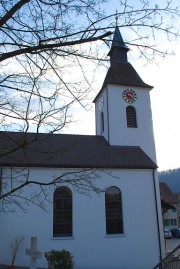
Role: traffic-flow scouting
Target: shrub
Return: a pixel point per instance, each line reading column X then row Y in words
column 59, row 259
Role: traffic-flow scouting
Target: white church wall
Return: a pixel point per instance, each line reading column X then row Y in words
column 137, row 248
column 116, row 123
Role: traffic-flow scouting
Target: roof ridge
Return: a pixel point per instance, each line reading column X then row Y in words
column 34, row 133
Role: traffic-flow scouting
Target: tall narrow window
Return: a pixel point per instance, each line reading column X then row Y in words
column 113, row 202
column 102, row 122
column 131, row 117
column 62, row 213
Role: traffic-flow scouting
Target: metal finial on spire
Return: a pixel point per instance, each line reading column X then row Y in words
column 116, row 18
column 118, row 51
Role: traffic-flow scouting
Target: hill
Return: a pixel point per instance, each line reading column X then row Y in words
column 172, row 178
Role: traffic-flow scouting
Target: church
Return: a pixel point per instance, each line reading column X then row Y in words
column 110, row 219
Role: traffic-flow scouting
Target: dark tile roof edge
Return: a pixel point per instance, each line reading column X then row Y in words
column 105, row 85
column 82, row 166
column 109, row 156
column 113, row 75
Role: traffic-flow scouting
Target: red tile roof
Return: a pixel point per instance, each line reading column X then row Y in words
column 166, row 194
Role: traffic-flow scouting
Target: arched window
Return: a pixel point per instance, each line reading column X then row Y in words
column 62, row 212
column 102, row 122
column 113, row 202
column 131, row 117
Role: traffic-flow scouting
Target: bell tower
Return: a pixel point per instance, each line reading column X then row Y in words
column 123, row 107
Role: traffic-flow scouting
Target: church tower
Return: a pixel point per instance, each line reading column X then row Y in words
column 123, row 107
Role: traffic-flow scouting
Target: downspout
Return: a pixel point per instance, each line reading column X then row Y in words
column 164, row 211
column 107, row 97
column 157, row 216
column 1, row 170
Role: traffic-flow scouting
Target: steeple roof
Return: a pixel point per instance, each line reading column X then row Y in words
column 121, row 72
column 118, row 40
column 118, row 51
column 124, row 74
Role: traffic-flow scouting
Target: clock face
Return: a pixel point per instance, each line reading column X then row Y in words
column 129, row 96
column 101, row 103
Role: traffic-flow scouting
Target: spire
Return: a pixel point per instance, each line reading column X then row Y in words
column 118, row 51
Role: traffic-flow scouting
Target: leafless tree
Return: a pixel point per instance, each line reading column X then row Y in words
column 16, row 247
column 45, row 48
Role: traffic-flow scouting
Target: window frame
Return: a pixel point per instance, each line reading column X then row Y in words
column 102, row 121
column 131, row 117
column 62, row 212
column 113, row 206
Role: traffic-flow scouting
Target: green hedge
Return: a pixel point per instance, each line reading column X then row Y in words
column 59, row 259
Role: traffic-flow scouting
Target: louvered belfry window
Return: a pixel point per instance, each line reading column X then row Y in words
column 62, row 213
column 131, row 117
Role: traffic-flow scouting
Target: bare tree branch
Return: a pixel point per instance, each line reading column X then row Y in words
column 12, row 11
column 49, row 52
column 46, row 47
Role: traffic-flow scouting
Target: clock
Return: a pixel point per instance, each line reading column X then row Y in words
column 101, row 103
column 129, row 96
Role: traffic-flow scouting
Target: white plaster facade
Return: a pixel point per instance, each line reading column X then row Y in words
column 170, row 219
column 116, row 131
column 137, row 248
